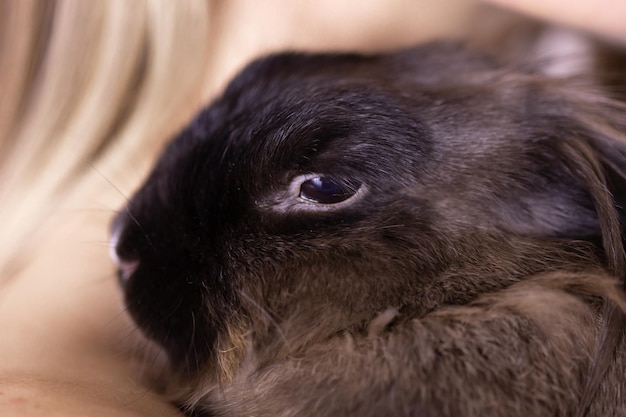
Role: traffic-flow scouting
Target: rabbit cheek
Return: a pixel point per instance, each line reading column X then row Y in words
column 166, row 307
column 195, row 328
column 176, row 294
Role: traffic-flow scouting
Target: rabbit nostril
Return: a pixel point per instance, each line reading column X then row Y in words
column 125, row 270
column 125, row 267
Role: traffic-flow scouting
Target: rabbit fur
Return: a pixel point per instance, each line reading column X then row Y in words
column 428, row 232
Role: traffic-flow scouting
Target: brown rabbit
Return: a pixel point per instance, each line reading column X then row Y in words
column 423, row 233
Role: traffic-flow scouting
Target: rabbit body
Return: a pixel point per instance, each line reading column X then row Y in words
column 422, row 233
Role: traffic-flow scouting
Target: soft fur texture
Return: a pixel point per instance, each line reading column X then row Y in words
column 473, row 266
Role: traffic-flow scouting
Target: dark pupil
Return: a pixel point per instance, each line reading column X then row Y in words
column 324, row 190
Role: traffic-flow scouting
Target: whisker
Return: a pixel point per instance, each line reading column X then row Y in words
column 116, row 188
column 99, row 243
column 267, row 315
column 192, row 344
column 126, row 207
column 103, row 210
column 146, row 355
column 145, row 234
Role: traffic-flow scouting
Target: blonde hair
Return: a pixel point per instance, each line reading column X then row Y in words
column 86, row 85
column 91, row 89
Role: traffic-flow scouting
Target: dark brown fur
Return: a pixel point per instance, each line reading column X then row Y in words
column 478, row 271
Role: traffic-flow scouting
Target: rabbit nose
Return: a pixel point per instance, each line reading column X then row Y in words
column 125, row 270
column 125, row 267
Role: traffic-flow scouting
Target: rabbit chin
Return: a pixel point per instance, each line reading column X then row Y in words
column 232, row 361
column 236, row 364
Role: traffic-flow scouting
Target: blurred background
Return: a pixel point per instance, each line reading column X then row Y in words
column 90, row 90
column 89, row 93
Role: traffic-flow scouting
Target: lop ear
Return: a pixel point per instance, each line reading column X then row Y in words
column 594, row 150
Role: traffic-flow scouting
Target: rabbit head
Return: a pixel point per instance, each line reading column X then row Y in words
column 321, row 190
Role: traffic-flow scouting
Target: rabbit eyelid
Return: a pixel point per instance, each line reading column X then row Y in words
column 317, row 192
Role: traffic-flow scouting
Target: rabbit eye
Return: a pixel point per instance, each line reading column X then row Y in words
column 315, row 192
column 325, row 190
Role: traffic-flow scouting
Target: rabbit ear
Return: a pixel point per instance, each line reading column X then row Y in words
column 584, row 147
column 595, row 153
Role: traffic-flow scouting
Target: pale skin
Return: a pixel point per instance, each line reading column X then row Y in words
column 60, row 352
column 605, row 18
column 66, row 346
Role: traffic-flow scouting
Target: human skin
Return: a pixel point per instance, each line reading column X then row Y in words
column 67, row 348
column 60, row 356
column 604, row 18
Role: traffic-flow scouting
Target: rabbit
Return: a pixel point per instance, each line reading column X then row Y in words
column 426, row 232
